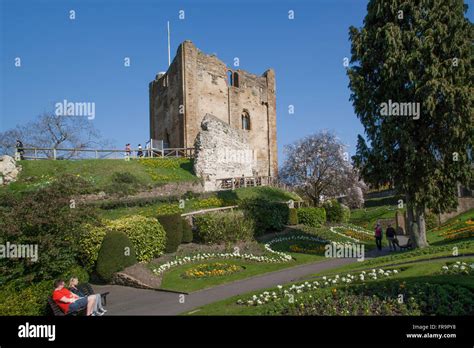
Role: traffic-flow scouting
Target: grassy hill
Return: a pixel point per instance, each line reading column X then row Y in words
column 105, row 174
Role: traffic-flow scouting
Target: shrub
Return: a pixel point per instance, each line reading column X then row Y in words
column 146, row 234
column 187, row 232
column 44, row 218
column 222, row 227
column 346, row 213
column 115, row 254
column 334, row 211
column 293, row 217
column 174, row 231
column 90, row 240
column 123, row 183
column 267, row 215
column 168, row 209
column 314, row 217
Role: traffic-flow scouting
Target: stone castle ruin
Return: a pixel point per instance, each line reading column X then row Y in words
column 228, row 116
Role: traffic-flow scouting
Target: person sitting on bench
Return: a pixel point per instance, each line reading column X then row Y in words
column 98, row 309
column 70, row 302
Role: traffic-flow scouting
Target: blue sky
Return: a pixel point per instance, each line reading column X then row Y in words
column 82, row 60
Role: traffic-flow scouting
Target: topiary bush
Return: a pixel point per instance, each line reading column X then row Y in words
column 220, row 227
column 334, row 211
column 314, row 217
column 90, row 239
column 293, row 217
column 187, row 232
column 173, row 226
column 146, row 234
column 267, row 215
column 116, row 253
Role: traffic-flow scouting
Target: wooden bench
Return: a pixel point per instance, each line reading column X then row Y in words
column 87, row 290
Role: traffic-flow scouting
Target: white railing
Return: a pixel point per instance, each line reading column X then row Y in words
column 41, row 153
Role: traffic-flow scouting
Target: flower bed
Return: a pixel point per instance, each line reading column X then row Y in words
column 277, row 257
column 458, row 268
column 305, row 249
column 295, row 289
column 207, row 270
column 460, row 233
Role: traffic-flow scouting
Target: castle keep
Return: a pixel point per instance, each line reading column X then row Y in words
column 197, row 84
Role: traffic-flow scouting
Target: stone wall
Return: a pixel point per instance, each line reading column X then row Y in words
column 200, row 83
column 222, row 151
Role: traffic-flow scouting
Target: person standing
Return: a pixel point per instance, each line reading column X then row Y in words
column 378, row 236
column 140, row 151
column 19, row 149
column 128, row 150
column 391, row 236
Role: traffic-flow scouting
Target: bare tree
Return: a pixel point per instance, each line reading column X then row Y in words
column 318, row 167
column 53, row 132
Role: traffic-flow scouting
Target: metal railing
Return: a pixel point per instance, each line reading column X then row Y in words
column 41, row 153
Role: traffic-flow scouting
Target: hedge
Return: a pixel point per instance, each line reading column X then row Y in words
column 268, row 215
column 293, row 217
column 220, row 227
column 314, row 217
column 187, row 232
column 173, row 226
column 146, row 234
column 334, row 211
column 116, row 253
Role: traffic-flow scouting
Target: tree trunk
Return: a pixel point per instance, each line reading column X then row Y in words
column 420, row 220
column 416, row 226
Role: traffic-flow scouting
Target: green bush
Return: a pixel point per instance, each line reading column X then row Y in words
column 187, row 232
column 123, row 183
column 90, row 240
column 314, row 217
column 293, row 217
column 334, row 211
column 146, row 234
column 43, row 217
column 116, row 253
column 268, row 215
column 220, row 227
column 174, row 231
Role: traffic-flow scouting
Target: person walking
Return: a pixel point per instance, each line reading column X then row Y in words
column 378, row 236
column 391, row 236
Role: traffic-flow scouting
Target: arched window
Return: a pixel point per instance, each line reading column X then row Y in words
column 245, row 120
column 229, row 78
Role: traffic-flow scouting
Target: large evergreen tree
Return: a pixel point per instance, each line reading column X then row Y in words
column 415, row 51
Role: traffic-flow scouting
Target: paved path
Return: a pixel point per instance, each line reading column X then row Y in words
column 124, row 300
column 130, row 301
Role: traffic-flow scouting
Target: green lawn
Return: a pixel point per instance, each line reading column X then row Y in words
column 174, row 280
column 414, row 273
column 99, row 172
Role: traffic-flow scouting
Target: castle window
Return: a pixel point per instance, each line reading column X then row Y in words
column 236, row 80
column 245, row 121
column 229, row 78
